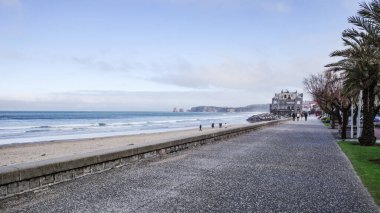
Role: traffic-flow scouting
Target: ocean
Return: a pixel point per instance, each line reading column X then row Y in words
column 37, row 126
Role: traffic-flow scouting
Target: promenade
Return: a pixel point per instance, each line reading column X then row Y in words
column 290, row 167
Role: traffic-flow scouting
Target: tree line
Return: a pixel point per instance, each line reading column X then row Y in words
column 355, row 75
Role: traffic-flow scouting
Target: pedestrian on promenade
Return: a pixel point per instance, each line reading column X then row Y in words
column 294, row 116
column 298, row 116
column 302, row 115
column 305, row 116
column 200, row 127
column 212, row 125
column 220, row 125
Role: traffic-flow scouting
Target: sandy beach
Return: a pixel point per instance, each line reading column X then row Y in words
column 30, row 152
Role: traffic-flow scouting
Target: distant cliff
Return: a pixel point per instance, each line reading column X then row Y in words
column 250, row 108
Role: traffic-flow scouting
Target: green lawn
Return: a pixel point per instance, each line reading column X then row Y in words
column 366, row 161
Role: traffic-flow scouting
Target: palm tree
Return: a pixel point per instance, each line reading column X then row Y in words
column 370, row 13
column 369, row 22
column 361, row 73
column 361, row 62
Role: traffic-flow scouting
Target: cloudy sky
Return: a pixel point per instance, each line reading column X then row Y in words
column 160, row 54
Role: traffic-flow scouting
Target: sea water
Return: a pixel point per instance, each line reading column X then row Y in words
column 26, row 127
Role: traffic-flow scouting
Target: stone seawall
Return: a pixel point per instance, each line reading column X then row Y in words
column 24, row 177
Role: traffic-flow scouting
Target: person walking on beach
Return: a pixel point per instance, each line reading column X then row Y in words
column 294, row 116
column 305, row 116
column 212, row 125
column 200, row 127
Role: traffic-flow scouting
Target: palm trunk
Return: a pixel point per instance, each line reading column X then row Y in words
column 345, row 112
column 368, row 137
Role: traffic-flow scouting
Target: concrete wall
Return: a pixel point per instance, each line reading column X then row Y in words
column 20, row 178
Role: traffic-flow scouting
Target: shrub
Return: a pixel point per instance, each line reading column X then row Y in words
column 325, row 120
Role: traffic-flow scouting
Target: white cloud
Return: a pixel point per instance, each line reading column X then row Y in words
column 230, row 82
column 119, row 100
column 227, row 74
column 234, row 74
column 92, row 63
column 105, row 64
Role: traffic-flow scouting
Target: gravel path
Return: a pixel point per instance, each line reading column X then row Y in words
column 292, row 167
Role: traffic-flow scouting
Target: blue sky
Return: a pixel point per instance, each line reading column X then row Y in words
column 160, row 54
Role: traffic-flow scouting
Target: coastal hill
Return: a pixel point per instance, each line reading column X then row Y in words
column 249, row 108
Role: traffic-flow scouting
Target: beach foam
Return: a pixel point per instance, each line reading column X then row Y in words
column 27, row 127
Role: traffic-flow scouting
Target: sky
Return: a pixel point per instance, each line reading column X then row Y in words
column 159, row 54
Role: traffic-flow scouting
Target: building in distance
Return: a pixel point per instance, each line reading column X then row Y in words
column 285, row 103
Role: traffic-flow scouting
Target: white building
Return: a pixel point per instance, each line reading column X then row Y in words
column 286, row 102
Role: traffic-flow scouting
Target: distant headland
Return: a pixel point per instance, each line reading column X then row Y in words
column 249, row 108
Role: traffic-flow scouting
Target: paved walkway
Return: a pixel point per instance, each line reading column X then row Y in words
column 292, row 167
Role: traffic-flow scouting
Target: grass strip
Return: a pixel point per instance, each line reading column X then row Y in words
column 366, row 162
